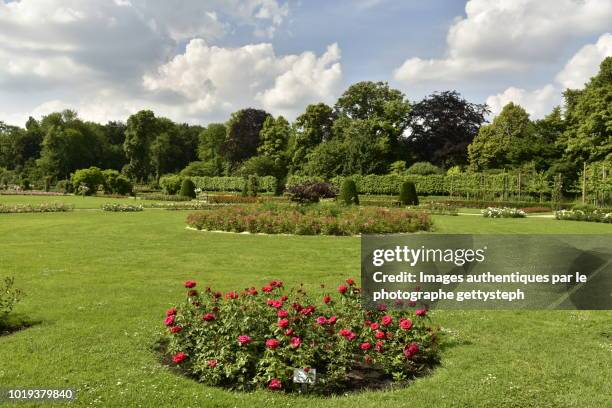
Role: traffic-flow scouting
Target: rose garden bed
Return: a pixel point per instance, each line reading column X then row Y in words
column 258, row 338
column 310, row 220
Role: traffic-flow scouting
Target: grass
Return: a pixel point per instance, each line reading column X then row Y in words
column 97, row 285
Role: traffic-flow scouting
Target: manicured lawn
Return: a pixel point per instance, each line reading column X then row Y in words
column 98, row 284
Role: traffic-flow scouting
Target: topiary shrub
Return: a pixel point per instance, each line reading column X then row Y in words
column 253, row 186
column 348, row 193
column 408, row 194
column 188, row 188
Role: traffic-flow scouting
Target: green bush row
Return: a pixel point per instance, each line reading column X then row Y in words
column 266, row 184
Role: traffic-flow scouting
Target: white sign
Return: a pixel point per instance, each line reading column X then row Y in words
column 304, row 375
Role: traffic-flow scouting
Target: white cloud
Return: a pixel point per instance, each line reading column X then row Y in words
column 578, row 70
column 585, row 63
column 215, row 79
column 508, row 35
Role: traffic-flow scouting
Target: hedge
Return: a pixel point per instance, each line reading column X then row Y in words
column 267, row 184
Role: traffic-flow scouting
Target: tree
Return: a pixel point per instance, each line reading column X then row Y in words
column 442, row 126
column 242, row 139
column 326, row 160
column 507, row 142
column 91, row 178
column 312, row 128
column 142, row 128
column 366, row 150
column 274, row 137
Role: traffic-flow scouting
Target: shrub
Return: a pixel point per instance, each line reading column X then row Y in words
column 25, row 184
column 580, row 215
column 286, row 219
column 188, row 188
column 88, row 180
column 116, row 183
column 348, row 193
column 256, row 338
column 267, row 184
column 121, row 207
column 162, row 197
column 408, row 194
column 423, row 169
column 231, row 199
column 311, row 192
column 64, row 186
column 187, row 205
column 35, row 208
column 252, row 186
column 171, row 184
column 9, row 297
column 505, row 212
column 200, row 168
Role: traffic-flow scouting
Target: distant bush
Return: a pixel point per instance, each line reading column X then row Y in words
column 9, row 297
column 185, row 205
column 91, row 178
column 348, row 193
column 171, row 184
column 35, row 208
column 64, row 186
column 188, row 188
column 25, row 184
column 423, row 169
column 116, row 183
column 163, row 197
column 580, row 215
column 408, row 194
column 122, row 207
column 267, row 184
column 231, row 199
column 311, row 192
column 505, row 212
column 250, row 187
column 200, row 168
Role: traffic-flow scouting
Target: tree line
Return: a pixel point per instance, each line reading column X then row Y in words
column 371, row 129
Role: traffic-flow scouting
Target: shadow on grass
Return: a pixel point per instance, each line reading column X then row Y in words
column 14, row 323
column 360, row 379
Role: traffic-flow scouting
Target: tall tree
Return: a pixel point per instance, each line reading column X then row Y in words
column 312, row 128
column 442, row 126
column 243, row 134
column 142, row 129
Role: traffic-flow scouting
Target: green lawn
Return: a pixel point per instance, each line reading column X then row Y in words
column 98, row 284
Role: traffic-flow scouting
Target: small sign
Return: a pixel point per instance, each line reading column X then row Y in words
column 304, row 375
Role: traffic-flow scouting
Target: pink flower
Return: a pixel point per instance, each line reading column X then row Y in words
column 267, row 289
column 379, row 346
column 176, row 329
column 365, row 346
column 212, row 363
column 272, row 343
column 374, row 326
column 289, row 332
column 420, row 312
column 295, row 342
column 190, row 284
column 169, row 321
column 379, row 335
column 411, row 350
column 275, row 303
column 307, row 310
column 282, row 313
column 326, row 299
column 276, row 284
column 342, row 289
column 321, row 320
column 283, row 323
column 405, row 324
column 386, row 320
column 332, row 320
column 171, row 312
column 208, row 317
column 275, row 384
column 244, row 339
column 179, row 357
column 347, row 334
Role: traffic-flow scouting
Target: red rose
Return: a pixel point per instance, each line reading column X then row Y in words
column 282, row 313
column 275, row 384
column 267, row 289
column 321, row 320
column 276, row 284
column 275, row 303
column 386, row 320
column 244, row 339
column 190, row 284
column 171, row 312
column 289, row 332
column 350, row 281
column 420, row 312
column 379, row 346
column 405, row 324
column 192, row 293
column 307, row 310
column 365, row 346
column 326, row 299
column 295, row 342
column 272, row 343
column 379, row 335
column 212, row 363
column 411, row 350
column 231, row 295
column 175, row 329
column 347, row 334
column 179, row 357
column 169, row 321
column 283, row 323
column 342, row 289
column 208, row 317
column 332, row 320
column 374, row 326
column 284, row 298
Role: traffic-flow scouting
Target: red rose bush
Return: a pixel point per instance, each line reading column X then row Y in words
column 257, row 337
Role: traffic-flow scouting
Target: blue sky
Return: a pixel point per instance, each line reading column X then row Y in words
column 198, row 61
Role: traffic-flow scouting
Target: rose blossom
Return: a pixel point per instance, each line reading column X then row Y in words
column 275, row 384
column 405, row 324
column 208, row 317
column 272, row 343
column 411, row 350
column 283, row 323
column 386, row 320
column 365, row 346
column 176, row 329
column 282, row 313
column 321, row 320
column 169, row 321
column 267, row 289
column 244, row 339
column 190, row 284
column 332, row 320
column 350, row 281
column 212, row 363
column 342, row 289
column 374, row 326
column 379, row 346
column 420, row 312
column 295, row 342
column 275, row 303
column 326, row 299
column 289, row 332
column 171, row 312
column 179, row 357
column 379, row 335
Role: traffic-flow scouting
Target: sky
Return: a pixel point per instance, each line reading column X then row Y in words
column 197, row 61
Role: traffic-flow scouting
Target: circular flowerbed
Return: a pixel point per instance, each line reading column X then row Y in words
column 310, row 220
column 262, row 338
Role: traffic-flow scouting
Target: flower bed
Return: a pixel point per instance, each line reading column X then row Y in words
column 162, row 197
column 505, row 212
column 232, row 199
column 122, row 207
column 31, row 193
column 257, row 338
column 35, row 208
column 433, row 207
column 580, row 215
column 315, row 220
column 185, row 205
